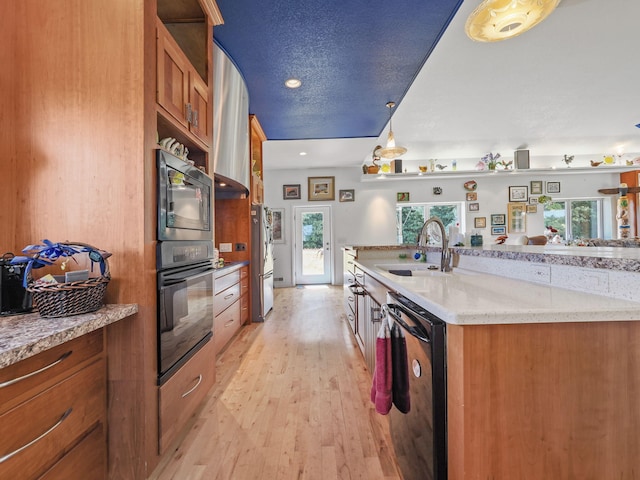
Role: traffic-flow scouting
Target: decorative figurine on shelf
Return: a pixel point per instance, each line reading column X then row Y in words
column 506, row 165
column 440, row 167
column 594, row 164
column 622, row 215
column 567, row 160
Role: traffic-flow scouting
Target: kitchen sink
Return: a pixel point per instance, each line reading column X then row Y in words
column 417, row 270
column 411, row 270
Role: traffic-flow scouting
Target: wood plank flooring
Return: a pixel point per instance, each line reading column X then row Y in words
column 291, row 401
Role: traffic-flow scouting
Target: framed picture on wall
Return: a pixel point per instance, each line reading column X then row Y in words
column 518, row 194
column 498, row 219
column 472, row 196
column 402, row 196
column 517, row 217
column 553, row 187
column 321, row 188
column 480, row 222
column 498, row 230
column 474, row 207
column 536, row 187
column 291, row 192
column 347, row 195
column 277, row 225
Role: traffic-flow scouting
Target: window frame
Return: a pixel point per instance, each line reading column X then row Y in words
column 460, row 215
column 568, row 213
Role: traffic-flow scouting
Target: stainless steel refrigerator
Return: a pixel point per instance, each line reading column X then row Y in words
column 261, row 263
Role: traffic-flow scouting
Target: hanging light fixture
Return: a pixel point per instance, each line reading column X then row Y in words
column 390, row 151
column 495, row 20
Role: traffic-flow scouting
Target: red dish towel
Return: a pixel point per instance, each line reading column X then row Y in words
column 382, row 380
column 401, row 398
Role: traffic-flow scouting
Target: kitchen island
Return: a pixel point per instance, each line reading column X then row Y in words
column 543, row 380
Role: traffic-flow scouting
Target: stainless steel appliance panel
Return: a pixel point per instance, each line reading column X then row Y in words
column 185, row 313
column 261, row 263
column 184, row 200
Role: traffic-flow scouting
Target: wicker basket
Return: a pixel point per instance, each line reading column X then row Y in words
column 70, row 298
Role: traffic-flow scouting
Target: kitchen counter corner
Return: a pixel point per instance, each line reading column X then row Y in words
column 22, row 336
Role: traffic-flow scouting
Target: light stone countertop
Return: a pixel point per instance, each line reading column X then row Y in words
column 22, row 336
column 467, row 297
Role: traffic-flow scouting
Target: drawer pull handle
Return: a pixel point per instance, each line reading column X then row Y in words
column 43, row 369
column 37, row 439
column 229, row 323
column 194, row 387
column 227, row 297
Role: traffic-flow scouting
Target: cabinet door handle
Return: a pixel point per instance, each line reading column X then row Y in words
column 229, row 323
column 227, row 297
column 37, row 439
column 194, row 118
column 187, row 107
column 188, row 392
column 43, row 369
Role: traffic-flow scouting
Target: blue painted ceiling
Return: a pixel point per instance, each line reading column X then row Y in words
column 352, row 56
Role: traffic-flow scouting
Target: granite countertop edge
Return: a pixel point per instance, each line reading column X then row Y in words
column 610, row 258
column 23, row 336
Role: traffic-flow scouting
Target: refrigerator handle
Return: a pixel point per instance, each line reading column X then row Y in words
column 266, row 275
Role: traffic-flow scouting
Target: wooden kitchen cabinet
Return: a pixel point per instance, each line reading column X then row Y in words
column 257, row 136
column 53, row 412
column 227, row 306
column 245, row 298
column 181, row 91
column 181, row 395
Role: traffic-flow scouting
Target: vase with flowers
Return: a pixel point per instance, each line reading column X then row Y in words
column 489, row 161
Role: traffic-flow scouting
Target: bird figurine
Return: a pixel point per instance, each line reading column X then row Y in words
column 505, row 164
column 440, row 167
column 567, row 160
column 594, row 163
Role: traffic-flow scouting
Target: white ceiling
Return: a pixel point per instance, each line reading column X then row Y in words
column 569, row 86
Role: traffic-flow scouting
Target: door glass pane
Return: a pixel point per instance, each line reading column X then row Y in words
column 312, row 243
column 584, row 218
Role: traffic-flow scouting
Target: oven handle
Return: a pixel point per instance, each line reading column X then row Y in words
column 173, row 276
column 390, row 309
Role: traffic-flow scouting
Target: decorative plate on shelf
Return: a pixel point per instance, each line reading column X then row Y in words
column 471, row 185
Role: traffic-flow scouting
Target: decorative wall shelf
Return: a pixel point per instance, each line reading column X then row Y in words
column 500, row 173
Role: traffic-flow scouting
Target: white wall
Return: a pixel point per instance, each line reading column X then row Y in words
column 370, row 219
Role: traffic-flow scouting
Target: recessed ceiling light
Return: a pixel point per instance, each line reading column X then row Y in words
column 302, row 154
column 292, row 83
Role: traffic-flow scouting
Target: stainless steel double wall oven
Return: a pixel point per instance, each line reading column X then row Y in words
column 185, row 272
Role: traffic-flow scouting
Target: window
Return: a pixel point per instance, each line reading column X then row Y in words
column 411, row 217
column 575, row 218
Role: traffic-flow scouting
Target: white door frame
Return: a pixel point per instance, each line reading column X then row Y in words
column 298, row 277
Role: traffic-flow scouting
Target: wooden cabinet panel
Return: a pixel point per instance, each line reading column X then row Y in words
column 180, row 396
column 225, row 298
column 245, row 311
column 226, row 325
column 223, row 282
column 173, row 76
column 87, row 460
column 25, row 379
column 180, row 89
column 201, row 119
column 52, row 422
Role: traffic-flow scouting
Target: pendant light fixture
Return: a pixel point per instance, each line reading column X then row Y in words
column 495, row 20
column 391, row 151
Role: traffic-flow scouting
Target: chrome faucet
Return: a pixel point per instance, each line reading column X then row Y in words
column 423, row 237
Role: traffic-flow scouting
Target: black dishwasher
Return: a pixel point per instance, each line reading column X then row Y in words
column 419, row 437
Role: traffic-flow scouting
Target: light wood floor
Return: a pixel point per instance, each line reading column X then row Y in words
column 291, row 401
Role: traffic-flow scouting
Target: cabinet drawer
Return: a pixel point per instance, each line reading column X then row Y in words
column 244, row 309
column 377, row 290
column 181, row 395
column 244, row 286
column 225, row 281
column 225, row 325
column 88, row 460
column 28, row 377
column 42, row 429
column 225, row 298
